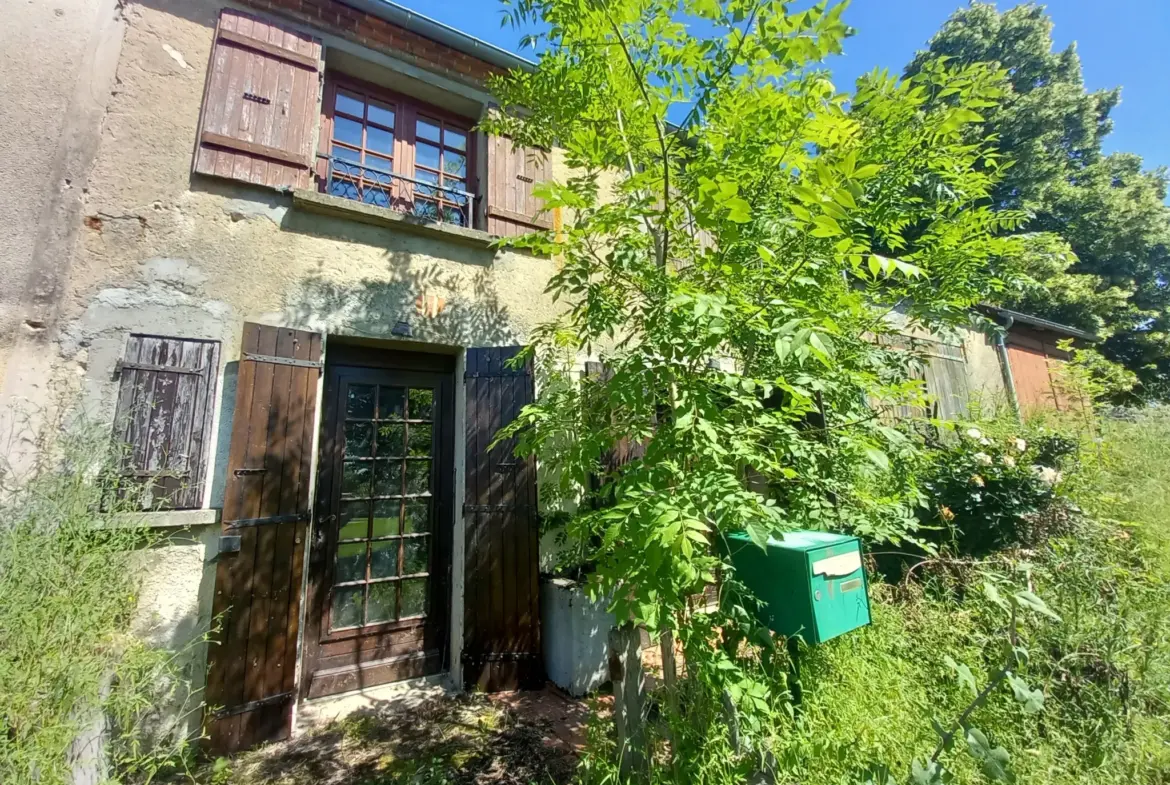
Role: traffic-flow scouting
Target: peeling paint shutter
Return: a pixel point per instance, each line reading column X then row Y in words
column 260, row 103
column 501, row 648
column 252, row 659
column 163, row 420
column 511, row 173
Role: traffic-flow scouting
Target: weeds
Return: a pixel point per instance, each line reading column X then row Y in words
column 77, row 691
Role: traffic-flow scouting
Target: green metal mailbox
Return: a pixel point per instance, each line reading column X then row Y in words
column 811, row 584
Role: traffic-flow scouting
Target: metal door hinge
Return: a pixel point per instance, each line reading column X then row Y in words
column 268, row 358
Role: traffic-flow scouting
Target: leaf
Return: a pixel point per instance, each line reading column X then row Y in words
column 826, row 226
column 1032, row 700
column 842, row 197
column 758, row 532
column 766, row 253
column 993, row 595
column 1027, row 599
column 878, row 458
column 806, row 194
column 964, row 674
column 867, row 171
column 994, row 761
column 928, row 773
column 738, row 210
column 821, row 343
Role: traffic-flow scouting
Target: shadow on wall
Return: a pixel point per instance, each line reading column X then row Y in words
column 471, row 314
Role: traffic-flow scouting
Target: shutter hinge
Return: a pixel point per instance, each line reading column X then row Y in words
column 242, row 522
column 122, row 365
column 252, row 705
column 268, row 358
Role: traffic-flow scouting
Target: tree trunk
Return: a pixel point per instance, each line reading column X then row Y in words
column 629, row 701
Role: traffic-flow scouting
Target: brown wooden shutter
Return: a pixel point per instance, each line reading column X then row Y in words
column 260, row 103
column 511, row 173
column 501, row 629
column 265, row 516
column 163, row 421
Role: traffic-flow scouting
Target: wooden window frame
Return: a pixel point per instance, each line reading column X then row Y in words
column 407, row 111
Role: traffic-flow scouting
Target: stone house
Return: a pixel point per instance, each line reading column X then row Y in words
column 257, row 238
column 256, row 235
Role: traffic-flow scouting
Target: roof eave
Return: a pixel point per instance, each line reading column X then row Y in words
column 442, row 33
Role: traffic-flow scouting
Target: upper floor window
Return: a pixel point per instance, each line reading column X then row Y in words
column 386, row 150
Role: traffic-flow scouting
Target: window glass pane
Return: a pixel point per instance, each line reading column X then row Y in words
column 414, row 597
column 426, row 210
column 390, row 403
column 359, row 439
column 422, row 401
column 418, row 477
column 347, row 606
column 354, row 521
column 351, row 562
column 420, row 440
column 355, row 478
column 427, row 130
column 459, row 199
column 379, row 141
column 343, row 188
column 454, row 164
column 426, row 155
column 379, row 197
column 348, row 131
column 426, row 177
column 381, row 606
column 417, row 518
column 347, row 155
column 350, row 104
column 375, row 165
column 384, row 558
column 379, row 181
column 388, row 478
column 456, row 139
column 386, row 513
column 359, row 402
column 414, row 555
column 453, row 215
column 382, row 115
column 390, row 440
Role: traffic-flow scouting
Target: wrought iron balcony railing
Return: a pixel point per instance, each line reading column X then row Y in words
column 415, row 196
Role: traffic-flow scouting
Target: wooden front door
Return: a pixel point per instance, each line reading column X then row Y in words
column 380, row 564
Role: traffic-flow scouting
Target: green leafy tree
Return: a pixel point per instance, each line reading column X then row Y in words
column 1107, row 210
column 733, row 273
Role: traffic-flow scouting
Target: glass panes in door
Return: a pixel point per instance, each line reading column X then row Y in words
column 384, row 553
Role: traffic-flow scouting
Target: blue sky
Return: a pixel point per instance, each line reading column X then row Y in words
column 1121, row 42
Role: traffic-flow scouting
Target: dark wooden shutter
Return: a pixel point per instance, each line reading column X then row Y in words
column 163, row 421
column 501, row 627
column 265, row 517
column 512, row 172
column 260, row 103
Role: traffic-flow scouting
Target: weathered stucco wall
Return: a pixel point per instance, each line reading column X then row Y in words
column 57, row 64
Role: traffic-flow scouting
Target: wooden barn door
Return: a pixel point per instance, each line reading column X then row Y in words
column 501, row 635
column 252, row 659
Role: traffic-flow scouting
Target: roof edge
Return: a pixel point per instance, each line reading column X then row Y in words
column 1040, row 322
column 442, row 33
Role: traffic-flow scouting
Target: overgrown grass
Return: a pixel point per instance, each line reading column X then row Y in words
column 77, row 691
column 870, row 696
